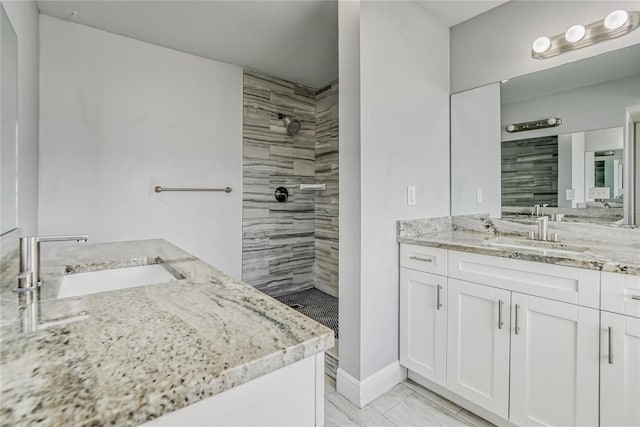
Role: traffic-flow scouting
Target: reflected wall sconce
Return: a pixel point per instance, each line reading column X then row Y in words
column 616, row 24
column 536, row 124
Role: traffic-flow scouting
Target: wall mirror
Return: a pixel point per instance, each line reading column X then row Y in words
column 8, row 124
column 585, row 167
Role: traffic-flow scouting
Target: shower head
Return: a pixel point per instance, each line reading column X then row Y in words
column 292, row 125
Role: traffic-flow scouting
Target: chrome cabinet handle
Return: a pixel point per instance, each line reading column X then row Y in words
column 517, row 328
column 417, row 258
column 438, row 305
column 610, row 345
column 500, row 323
column 636, row 297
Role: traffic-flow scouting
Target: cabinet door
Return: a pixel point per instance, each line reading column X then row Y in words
column 478, row 344
column 554, row 363
column 620, row 370
column 423, row 324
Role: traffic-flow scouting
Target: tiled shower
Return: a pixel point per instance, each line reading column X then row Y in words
column 291, row 248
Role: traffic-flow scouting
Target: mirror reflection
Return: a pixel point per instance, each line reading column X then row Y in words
column 583, row 167
column 8, row 124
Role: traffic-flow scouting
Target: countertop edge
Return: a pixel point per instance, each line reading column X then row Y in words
column 593, row 264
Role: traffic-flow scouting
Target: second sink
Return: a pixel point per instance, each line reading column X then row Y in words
column 110, row 280
column 535, row 245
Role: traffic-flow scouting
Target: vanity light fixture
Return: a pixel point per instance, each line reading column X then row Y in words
column 616, row 19
column 536, row 124
column 541, row 44
column 575, row 33
column 615, row 24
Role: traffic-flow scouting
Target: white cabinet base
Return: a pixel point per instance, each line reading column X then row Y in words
column 478, row 345
column 291, row 396
column 423, row 324
column 459, row 400
column 554, row 363
column 620, row 374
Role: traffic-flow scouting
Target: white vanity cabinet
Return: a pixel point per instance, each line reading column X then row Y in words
column 423, row 308
column 522, row 338
column 554, row 363
column 478, row 345
column 620, row 370
column 620, row 351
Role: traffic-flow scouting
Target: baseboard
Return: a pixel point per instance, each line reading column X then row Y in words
column 363, row 392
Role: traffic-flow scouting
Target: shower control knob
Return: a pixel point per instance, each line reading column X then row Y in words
column 281, row 194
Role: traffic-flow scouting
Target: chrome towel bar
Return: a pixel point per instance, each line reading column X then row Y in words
column 159, row 189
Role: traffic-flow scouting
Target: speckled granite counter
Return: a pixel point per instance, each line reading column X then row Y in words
column 128, row 356
column 602, row 247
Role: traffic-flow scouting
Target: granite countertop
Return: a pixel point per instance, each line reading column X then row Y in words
column 605, row 248
column 128, row 356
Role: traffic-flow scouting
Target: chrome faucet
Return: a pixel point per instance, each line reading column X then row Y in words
column 543, row 224
column 29, row 276
column 543, row 231
column 537, row 209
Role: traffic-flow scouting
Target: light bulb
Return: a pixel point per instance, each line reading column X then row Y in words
column 616, row 19
column 541, row 44
column 575, row 33
column 551, row 121
column 511, row 128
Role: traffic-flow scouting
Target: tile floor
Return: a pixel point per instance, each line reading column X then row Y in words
column 407, row 404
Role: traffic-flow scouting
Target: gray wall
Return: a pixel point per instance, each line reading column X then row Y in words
column 475, row 151
column 593, row 107
column 530, row 172
column 24, row 19
column 291, row 246
column 399, row 96
column 350, row 306
column 119, row 116
column 497, row 44
column 326, row 202
column 278, row 239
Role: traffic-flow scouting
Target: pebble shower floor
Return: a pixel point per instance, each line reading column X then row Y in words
column 321, row 307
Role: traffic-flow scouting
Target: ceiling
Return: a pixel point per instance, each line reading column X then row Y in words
column 296, row 40
column 293, row 40
column 453, row 12
column 610, row 66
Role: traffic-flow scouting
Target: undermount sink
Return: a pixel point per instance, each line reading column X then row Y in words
column 535, row 245
column 93, row 282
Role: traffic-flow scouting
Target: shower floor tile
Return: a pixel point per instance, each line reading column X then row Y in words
column 321, row 307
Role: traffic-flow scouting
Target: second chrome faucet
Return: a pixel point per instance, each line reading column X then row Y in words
column 543, row 231
column 29, row 276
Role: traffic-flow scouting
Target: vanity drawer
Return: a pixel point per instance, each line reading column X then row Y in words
column 423, row 258
column 621, row 294
column 560, row 283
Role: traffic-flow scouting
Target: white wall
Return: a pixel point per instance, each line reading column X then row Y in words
column 565, row 146
column 24, row 18
column 404, row 81
column 8, row 126
column 349, row 161
column 606, row 139
column 634, row 214
column 119, row 116
column 594, row 107
column 475, row 151
column 497, row 44
column 578, row 172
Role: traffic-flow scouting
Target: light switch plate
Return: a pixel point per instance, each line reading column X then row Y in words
column 478, row 195
column 570, row 194
column 411, row 195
